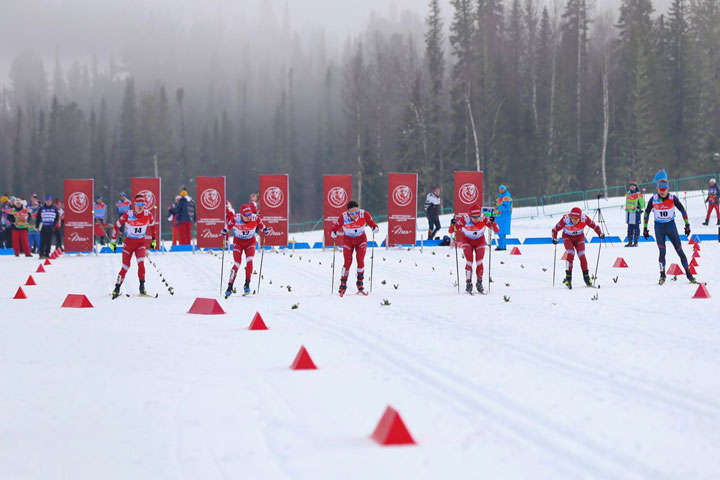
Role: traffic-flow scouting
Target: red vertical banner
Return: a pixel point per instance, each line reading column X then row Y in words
column 468, row 191
column 337, row 192
column 210, row 204
column 79, row 215
column 275, row 208
column 149, row 187
column 402, row 208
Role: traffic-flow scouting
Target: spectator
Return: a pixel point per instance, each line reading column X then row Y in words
column 503, row 210
column 99, row 215
column 432, row 210
column 185, row 211
column 173, row 219
column 122, row 206
column 660, row 175
column 60, row 225
column 634, row 206
column 33, row 234
column 19, row 218
column 713, row 201
column 4, row 224
column 46, row 220
column 254, row 206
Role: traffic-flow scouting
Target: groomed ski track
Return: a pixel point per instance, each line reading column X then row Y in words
column 551, row 384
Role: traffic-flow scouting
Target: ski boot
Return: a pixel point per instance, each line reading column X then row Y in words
column 663, row 277
column 586, row 277
column 343, row 287
column 479, row 286
column 630, row 243
column 142, row 288
column 706, row 222
column 690, row 278
column 469, row 287
column 116, row 292
column 230, row 290
column 718, row 222
column 246, row 288
column 568, row 279
column 360, row 286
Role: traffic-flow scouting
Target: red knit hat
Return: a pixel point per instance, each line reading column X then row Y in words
column 475, row 210
column 576, row 212
column 245, row 210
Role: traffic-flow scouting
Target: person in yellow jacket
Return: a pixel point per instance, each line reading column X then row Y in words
column 634, row 206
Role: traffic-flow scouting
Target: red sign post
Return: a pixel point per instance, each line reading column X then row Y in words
column 402, row 208
column 468, row 191
column 79, row 215
column 149, row 187
column 210, row 205
column 275, row 208
column 337, row 192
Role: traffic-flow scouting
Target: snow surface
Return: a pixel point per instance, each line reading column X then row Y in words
column 551, row 384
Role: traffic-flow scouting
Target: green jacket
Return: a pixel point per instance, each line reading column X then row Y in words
column 634, row 201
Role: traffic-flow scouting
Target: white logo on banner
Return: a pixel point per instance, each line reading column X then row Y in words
column 468, row 194
column 337, row 197
column 78, row 202
column 149, row 198
column 402, row 195
column 273, row 197
column 398, row 230
column 210, row 199
column 75, row 237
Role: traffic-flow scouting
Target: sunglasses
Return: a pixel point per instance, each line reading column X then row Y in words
column 475, row 216
column 352, row 214
column 139, row 204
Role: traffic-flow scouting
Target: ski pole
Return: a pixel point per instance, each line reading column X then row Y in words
column 597, row 264
column 554, row 264
column 332, row 286
column 222, row 263
column 490, row 262
column 262, row 257
column 372, row 260
column 457, row 263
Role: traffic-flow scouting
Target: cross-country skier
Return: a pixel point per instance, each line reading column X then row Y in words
column 353, row 222
column 573, row 228
column 472, row 226
column 244, row 225
column 713, row 201
column 136, row 222
column 664, row 203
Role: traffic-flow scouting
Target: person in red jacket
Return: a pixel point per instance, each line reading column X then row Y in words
column 472, row 227
column 573, row 228
column 353, row 222
column 136, row 223
column 244, row 225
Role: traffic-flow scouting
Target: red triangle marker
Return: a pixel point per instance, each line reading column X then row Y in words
column 303, row 361
column 20, row 294
column 40, row 269
column 76, row 301
column 696, row 247
column 694, row 262
column 257, row 323
column 692, row 270
column 515, row 251
column 391, row 430
column 675, row 270
column 620, row 263
column 206, row 306
column 47, row 262
column 696, row 254
column 30, row 281
column 702, row 292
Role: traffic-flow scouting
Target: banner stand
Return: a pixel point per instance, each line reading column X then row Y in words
column 337, row 192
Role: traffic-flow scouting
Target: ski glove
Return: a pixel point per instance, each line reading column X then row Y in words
column 687, row 229
column 333, row 234
column 266, row 231
column 492, row 219
column 376, row 230
column 112, row 245
column 153, row 244
column 224, row 232
column 602, row 236
column 646, row 233
column 555, row 241
column 453, row 221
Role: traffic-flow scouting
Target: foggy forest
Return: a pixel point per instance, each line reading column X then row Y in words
column 544, row 97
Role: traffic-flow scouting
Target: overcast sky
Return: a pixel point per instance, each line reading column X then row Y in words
column 83, row 28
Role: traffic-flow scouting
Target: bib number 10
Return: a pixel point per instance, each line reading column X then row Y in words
column 664, row 213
